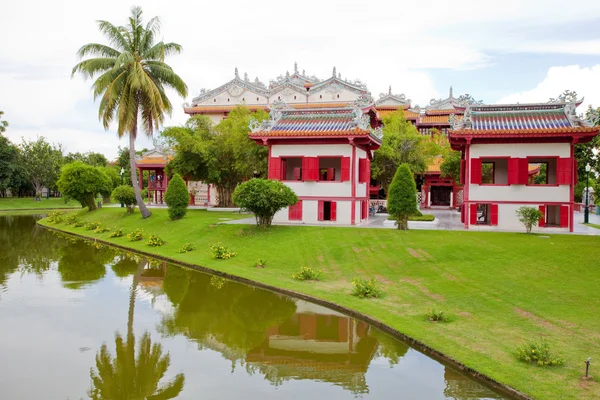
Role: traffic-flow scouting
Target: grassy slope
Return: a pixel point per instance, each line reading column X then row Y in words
column 593, row 225
column 502, row 288
column 24, row 203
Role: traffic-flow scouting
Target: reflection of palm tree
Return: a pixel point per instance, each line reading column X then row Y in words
column 127, row 377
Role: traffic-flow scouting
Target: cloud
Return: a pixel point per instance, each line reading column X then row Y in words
column 585, row 81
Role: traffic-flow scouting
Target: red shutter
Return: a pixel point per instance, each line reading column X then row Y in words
column 462, row 171
column 473, row 208
column 576, row 175
column 292, row 213
column 564, row 216
column 283, row 167
column 542, row 221
column 314, row 168
column 523, row 174
column 331, row 174
column 320, row 212
column 363, row 211
column 333, row 211
column 275, row 168
column 563, row 171
column 361, row 169
column 297, row 173
column 345, row 169
column 513, row 171
column 494, row 214
column 476, row 170
column 295, row 212
column 310, row 168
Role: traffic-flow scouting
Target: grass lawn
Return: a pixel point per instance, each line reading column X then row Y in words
column 24, row 203
column 501, row 289
column 593, row 225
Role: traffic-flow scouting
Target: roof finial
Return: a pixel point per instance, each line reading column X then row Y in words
column 390, row 90
column 334, row 72
column 450, row 91
column 339, row 75
column 246, row 77
column 303, row 72
column 287, row 74
column 237, row 75
column 296, row 67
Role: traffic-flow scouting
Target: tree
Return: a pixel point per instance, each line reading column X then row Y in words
column 177, row 197
column 126, row 195
column 264, row 198
column 3, row 124
column 402, row 144
column 529, row 216
column 131, row 80
column 41, row 163
column 402, row 196
column 9, row 154
column 114, row 180
column 83, row 183
column 90, row 158
column 222, row 155
column 450, row 166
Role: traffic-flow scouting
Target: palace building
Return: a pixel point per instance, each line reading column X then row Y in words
column 503, row 146
column 323, row 154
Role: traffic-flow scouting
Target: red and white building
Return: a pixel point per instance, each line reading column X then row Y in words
column 502, row 145
column 323, row 155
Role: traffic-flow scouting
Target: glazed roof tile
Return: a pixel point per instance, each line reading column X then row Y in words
column 434, row 119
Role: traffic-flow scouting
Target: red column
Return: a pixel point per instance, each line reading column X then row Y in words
column 354, row 179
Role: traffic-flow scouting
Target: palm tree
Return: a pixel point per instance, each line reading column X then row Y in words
column 131, row 80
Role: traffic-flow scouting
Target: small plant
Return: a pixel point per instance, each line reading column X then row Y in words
column 539, row 353
column 71, row 219
column 307, row 274
column 529, row 216
column 56, row 217
column 155, row 241
column 261, row 263
column 136, row 235
column 221, row 252
column 91, row 226
column 365, row 288
column 186, row 248
column 217, row 282
column 125, row 195
column 79, row 224
column 117, row 232
column 436, row 315
column 101, row 229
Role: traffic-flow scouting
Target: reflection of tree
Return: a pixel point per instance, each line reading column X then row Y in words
column 176, row 283
column 83, row 262
column 127, row 265
column 234, row 318
column 127, row 377
column 388, row 347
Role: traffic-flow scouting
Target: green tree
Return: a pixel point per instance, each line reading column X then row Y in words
column 83, row 183
column 402, row 196
column 402, row 144
column 41, row 163
column 221, row 155
column 264, row 198
column 450, row 166
column 9, row 158
column 90, row 158
column 529, row 216
column 177, row 197
column 131, row 80
column 3, row 124
column 126, row 195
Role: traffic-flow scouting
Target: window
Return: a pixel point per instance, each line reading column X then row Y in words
column 330, row 169
column 243, row 99
column 542, row 171
column 292, row 168
column 338, row 96
column 489, row 171
column 295, row 212
column 294, row 97
column 228, row 99
column 257, row 99
column 327, row 211
column 214, row 100
column 483, row 214
column 555, row 216
column 320, row 96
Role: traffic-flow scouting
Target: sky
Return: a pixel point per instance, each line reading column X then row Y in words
column 498, row 51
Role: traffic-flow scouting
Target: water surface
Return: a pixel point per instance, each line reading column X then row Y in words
column 79, row 320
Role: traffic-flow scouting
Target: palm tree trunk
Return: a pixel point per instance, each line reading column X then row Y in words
column 134, row 285
column 136, row 188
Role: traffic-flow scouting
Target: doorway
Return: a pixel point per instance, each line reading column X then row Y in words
column 440, row 195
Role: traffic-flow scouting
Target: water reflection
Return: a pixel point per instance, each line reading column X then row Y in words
column 183, row 320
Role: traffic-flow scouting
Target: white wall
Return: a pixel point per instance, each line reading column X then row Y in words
column 520, row 150
column 508, row 220
column 311, row 150
column 325, row 96
column 310, row 214
column 247, row 97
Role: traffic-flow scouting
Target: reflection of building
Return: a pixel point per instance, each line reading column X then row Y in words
column 502, row 144
column 461, row 387
column 317, row 343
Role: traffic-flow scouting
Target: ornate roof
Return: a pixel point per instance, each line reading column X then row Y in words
column 235, row 87
column 153, row 157
column 389, row 100
column 440, row 106
column 554, row 118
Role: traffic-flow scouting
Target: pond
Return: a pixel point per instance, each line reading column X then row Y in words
column 81, row 320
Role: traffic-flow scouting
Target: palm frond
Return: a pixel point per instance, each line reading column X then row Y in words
column 97, row 49
column 114, row 34
column 88, row 68
column 160, row 50
column 167, row 77
column 107, row 80
column 152, row 29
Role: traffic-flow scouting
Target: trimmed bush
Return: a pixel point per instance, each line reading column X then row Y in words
column 186, row 248
column 136, row 235
column 366, row 288
column 402, row 197
column 126, row 195
column 307, row 274
column 155, row 241
column 71, row 219
column 264, row 198
column 422, row 217
column 177, row 197
column 117, row 232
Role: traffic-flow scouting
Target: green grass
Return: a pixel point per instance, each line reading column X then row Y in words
column 593, row 225
column 502, row 289
column 26, row 203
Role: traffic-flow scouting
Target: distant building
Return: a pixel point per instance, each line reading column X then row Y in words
column 504, row 148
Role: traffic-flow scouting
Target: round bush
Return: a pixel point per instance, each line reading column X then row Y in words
column 177, row 197
column 126, row 195
column 264, row 198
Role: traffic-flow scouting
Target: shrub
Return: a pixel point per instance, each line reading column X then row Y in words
column 117, row 232
column 177, row 197
column 264, row 198
column 91, row 226
column 136, row 235
column 365, row 288
column 56, row 217
column 436, row 315
column 82, row 183
column 101, row 229
column 261, row 263
column 155, row 241
column 539, row 353
column 307, row 274
column 422, row 217
column 186, row 248
column 126, row 195
column 402, row 196
column 221, row 252
column 529, row 216
column 79, row 224
column 71, row 219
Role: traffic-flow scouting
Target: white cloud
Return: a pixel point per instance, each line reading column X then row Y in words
column 585, row 81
